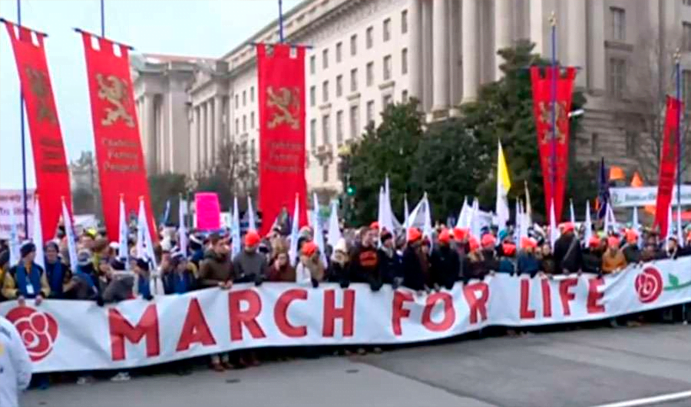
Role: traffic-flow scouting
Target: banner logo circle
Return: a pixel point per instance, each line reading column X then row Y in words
column 38, row 330
column 649, row 285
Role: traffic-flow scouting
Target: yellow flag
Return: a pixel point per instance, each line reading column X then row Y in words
column 503, row 171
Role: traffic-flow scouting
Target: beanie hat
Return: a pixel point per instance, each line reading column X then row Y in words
column 309, row 248
column 27, row 248
column 460, row 234
column 143, row 264
column 252, row 239
column 488, row 240
column 84, row 258
column 386, row 235
column 631, row 236
column 509, row 249
column 613, row 241
column 374, row 225
column 414, row 235
column 473, row 243
column 445, row 236
column 594, row 242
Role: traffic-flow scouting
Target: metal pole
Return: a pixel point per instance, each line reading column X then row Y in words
column 23, row 137
column 103, row 18
column 555, row 75
column 280, row 21
column 677, row 58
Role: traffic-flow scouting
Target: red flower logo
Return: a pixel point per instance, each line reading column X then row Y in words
column 649, row 285
column 37, row 329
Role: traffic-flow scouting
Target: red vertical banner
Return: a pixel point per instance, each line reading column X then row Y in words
column 281, row 72
column 668, row 164
column 50, row 163
column 553, row 145
column 121, row 168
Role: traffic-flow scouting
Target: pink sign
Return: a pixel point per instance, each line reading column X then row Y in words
column 208, row 211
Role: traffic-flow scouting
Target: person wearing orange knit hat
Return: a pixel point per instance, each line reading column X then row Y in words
column 632, row 252
column 415, row 266
column 613, row 259
column 250, row 266
column 527, row 262
column 489, row 252
column 567, row 251
column 445, row 262
column 474, row 266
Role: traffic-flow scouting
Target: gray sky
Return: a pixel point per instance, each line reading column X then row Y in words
column 205, row 28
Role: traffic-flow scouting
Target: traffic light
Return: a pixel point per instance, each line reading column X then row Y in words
column 350, row 190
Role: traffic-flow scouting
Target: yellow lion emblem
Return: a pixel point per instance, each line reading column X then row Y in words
column 287, row 106
column 40, row 88
column 114, row 90
column 546, row 117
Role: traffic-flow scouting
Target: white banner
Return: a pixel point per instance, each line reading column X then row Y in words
column 79, row 335
column 12, row 201
column 642, row 196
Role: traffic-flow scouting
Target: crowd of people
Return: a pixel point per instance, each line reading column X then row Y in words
column 370, row 255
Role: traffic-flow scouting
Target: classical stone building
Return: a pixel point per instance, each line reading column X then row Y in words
column 368, row 53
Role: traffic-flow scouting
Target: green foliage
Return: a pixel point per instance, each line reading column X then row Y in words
column 166, row 187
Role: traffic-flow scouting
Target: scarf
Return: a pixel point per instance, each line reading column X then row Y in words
column 34, row 279
column 85, row 277
column 180, row 282
column 143, row 286
column 56, row 274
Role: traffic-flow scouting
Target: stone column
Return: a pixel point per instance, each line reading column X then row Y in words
column 576, row 36
column 415, row 49
column 194, row 145
column 426, row 54
column 202, row 136
column 503, row 30
column 471, row 56
column 218, row 131
column 440, row 55
column 454, row 52
column 150, row 133
column 209, row 161
column 597, row 62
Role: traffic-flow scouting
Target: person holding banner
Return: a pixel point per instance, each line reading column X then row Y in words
column 415, row 267
column 83, row 284
column 390, row 261
column 26, row 280
column 181, row 277
column 280, row 269
column 339, row 264
column 4, row 266
column 310, row 269
column 249, row 266
column 364, row 260
column 445, row 262
column 57, row 273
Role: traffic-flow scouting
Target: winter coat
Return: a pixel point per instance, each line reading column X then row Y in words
column 416, row 272
column 215, row 269
column 613, row 262
column 567, row 254
column 390, row 264
column 527, row 264
column 34, row 282
column 445, row 266
column 285, row 274
column 364, row 267
column 632, row 253
column 249, row 267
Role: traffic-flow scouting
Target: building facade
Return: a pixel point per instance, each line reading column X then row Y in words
column 368, row 53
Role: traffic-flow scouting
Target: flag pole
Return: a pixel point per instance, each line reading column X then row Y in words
column 555, row 74
column 103, row 18
column 23, row 137
column 280, row 21
column 677, row 60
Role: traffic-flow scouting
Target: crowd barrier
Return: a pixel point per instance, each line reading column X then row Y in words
column 79, row 335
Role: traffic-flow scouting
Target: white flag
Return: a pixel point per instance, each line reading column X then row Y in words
column 517, row 226
column 588, row 225
column 380, row 208
column 475, row 227
column 572, row 212
column 334, row 233
column 680, row 232
column 235, row 229
column 390, row 221
column 406, row 212
column 145, row 247
column 427, row 228
column 610, row 221
column 318, row 231
column 38, row 235
column 553, row 230
column 182, row 227
column 252, row 224
column 636, row 226
column 294, row 233
column 69, row 234
column 15, row 252
column 122, row 240
column 465, row 216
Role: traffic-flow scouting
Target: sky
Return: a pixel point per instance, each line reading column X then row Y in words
column 202, row 28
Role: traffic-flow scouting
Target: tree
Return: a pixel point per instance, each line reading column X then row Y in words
column 164, row 188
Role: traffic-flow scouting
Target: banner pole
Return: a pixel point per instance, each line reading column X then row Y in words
column 23, row 137
column 103, row 18
column 555, row 73
column 280, row 21
column 677, row 57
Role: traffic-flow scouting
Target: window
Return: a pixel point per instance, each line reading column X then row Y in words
column 325, row 91
column 370, row 112
column 354, row 121
column 325, row 58
column 339, row 52
column 617, row 77
column 252, row 120
column 686, row 84
column 631, row 143
column 370, row 73
column 404, row 21
column 594, row 144
column 237, row 100
column 618, row 23
column 387, row 67
column 244, row 98
column 313, row 133
column 686, row 37
column 387, row 100
column 404, row 61
column 313, row 96
column 404, row 96
column 244, row 123
column 325, row 173
column 369, row 38
column 325, row 129
column 253, row 150
column 339, row 127
column 252, row 94
column 353, row 80
column 313, row 64
column 386, row 29
column 353, row 45
column 339, row 86
column 237, row 126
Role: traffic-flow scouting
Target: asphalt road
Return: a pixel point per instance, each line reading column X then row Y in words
column 584, row 368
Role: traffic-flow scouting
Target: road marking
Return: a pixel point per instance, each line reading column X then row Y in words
column 650, row 400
